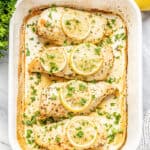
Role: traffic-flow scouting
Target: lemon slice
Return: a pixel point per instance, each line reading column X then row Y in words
column 53, row 61
column 143, row 4
column 75, row 96
column 75, row 25
column 81, row 132
column 86, row 59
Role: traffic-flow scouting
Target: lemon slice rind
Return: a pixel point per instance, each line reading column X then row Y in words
column 77, row 101
column 87, row 127
column 85, row 61
column 75, row 25
column 53, row 61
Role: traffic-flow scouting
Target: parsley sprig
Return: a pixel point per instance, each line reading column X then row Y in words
column 7, row 7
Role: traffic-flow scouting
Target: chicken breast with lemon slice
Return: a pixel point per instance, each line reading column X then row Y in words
column 74, row 97
column 84, row 62
column 79, row 133
column 64, row 25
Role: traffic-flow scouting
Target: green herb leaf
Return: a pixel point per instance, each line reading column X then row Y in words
column 67, row 22
column 80, row 134
column 83, row 101
column 98, row 50
column 7, row 8
column 28, row 134
column 27, row 52
column 82, row 87
column 57, row 139
column 111, row 80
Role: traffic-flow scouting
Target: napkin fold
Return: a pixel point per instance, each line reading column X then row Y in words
column 145, row 140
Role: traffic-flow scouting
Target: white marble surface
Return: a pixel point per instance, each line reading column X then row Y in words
column 4, row 143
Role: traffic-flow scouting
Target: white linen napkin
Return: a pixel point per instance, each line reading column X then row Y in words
column 145, row 141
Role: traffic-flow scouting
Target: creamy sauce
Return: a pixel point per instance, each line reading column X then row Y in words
column 109, row 111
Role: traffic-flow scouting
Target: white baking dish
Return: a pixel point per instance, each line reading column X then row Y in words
column 131, row 14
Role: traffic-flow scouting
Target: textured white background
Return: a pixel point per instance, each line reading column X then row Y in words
column 4, row 143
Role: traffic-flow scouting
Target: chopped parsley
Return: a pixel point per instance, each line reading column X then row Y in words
column 50, row 56
column 121, row 36
column 111, row 137
column 88, row 45
column 117, row 117
column 50, row 15
column 32, row 120
column 113, row 133
column 57, row 139
column 29, row 122
column 93, row 96
column 33, row 29
column 109, row 24
column 71, row 90
column 108, row 126
column 46, row 121
column 93, row 21
column 111, row 80
column 34, row 91
column 79, row 128
column 42, row 60
column 31, row 78
column 33, row 98
column 32, row 26
column 108, row 40
column 28, row 133
column 31, row 39
column 113, row 21
column 27, row 52
column 67, row 22
column 69, row 94
column 47, row 24
column 53, row 67
column 117, row 57
column 112, row 104
column 98, row 50
column 38, row 75
column 30, row 140
column 65, row 43
column 80, row 134
column 99, row 112
column 70, row 115
column 82, row 87
column 83, row 101
column 53, row 97
column 108, row 116
column 53, row 8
